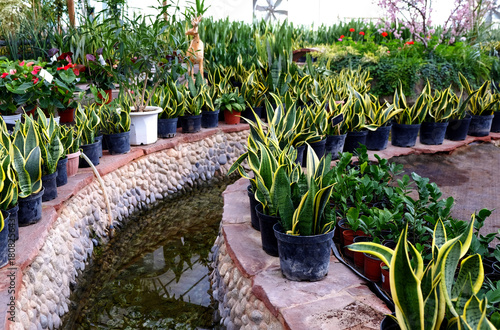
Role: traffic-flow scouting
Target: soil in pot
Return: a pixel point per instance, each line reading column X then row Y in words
column 304, row 258
column 30, row 209
column 404, row 135
column 378, row 139
column 72, row 164
column 432, row 133
column 191, row 124
column 334, row 145
column 480, row 125
column 372, row 268
column 232, row 118
column 62, row 173
column 49, row 184
column 353, row 140
column 266, row 223
column 118, row 143
column 457, row 129
column 4, row 240
column 359, row 257
column 92, row 152
column 253, row 203
column 13, row 223
column 495, row 123
column 210, row 119
column 167, row 128
column 250, row 115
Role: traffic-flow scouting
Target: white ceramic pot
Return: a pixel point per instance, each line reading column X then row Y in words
column 11, row 119
column 144, row 126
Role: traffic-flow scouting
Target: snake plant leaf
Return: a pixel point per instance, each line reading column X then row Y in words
column 384, row 253
column 447, row 270
column 418, row 268
column 439, row 236
column 320, row 201
column 466, row 237
column 431, row 310
column 463, row 295
column 405, row 288
column 471, row 269
column 473, row 313
column 282, row 192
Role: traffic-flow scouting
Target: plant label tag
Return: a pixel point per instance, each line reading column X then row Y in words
column 46, row 75
column 337, row 119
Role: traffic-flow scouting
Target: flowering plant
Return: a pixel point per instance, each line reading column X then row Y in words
column 59, row 93
column 19, row 84
column 99, row 71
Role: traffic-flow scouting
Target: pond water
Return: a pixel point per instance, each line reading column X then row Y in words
column 155, row 271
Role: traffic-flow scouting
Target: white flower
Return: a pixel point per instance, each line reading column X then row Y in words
column 463, row 38
column 101, row 60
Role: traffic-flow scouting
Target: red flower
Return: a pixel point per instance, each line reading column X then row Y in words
column 351, row 30
column 65, row 56
column 12, row 71
column 76, row 72
column 362, row 33
column 5, row 74
column 342, row 37
column 30, row 63
column 36, row 69
column 61, row 68
column 35, row 80
column 21, row 63
column 384, row 34
column 409, row 42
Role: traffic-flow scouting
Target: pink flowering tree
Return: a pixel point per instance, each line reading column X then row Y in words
column 415, row 15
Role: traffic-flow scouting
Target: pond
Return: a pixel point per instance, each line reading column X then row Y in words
column 155, row 271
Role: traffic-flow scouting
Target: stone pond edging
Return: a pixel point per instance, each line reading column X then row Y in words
column 50, row 254
column 253, row 294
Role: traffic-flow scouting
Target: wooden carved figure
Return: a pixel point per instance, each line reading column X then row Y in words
column 195, row 50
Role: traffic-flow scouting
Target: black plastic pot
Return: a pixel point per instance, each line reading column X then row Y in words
column 13, row 223
column 457, row 129
column 210, row 119
column 62, row 172
column 99, row 138
column 4, row 240
column 250, row 115
column 167, row 128
column 319, row 149
column 304, row 258
column 403, row 135
column 49, row 184
column 432, row 133
column 118, row 143
column 495, row 124
column 480, row 125
column 30, row 209
column 266, row 223
column 334, row 145
column 378, row 139
column 92, row 152
column 388, row 323
column 353, row 140
column 300, row 154
column 191, row 124
column 253, row 203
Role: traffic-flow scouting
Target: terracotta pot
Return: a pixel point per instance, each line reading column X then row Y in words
column 67, row 115
column 372, row 268
column 359, row 257
column 232, row 118
column 341, row 226
column 384, row 278
column 72, row 164
column 108, row 93
column 349, row 239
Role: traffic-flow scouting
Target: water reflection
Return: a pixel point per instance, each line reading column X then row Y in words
column 155, row 273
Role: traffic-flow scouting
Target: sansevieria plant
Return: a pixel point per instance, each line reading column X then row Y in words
column 113, row 120
column 423, row 295
column 51, row 147
column 27, row 158
column 376, row 114
column 414, row 114
column 482, row 101
column 87, row 122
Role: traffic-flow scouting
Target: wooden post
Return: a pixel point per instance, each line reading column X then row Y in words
column 71, row 12
column 165, row 14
